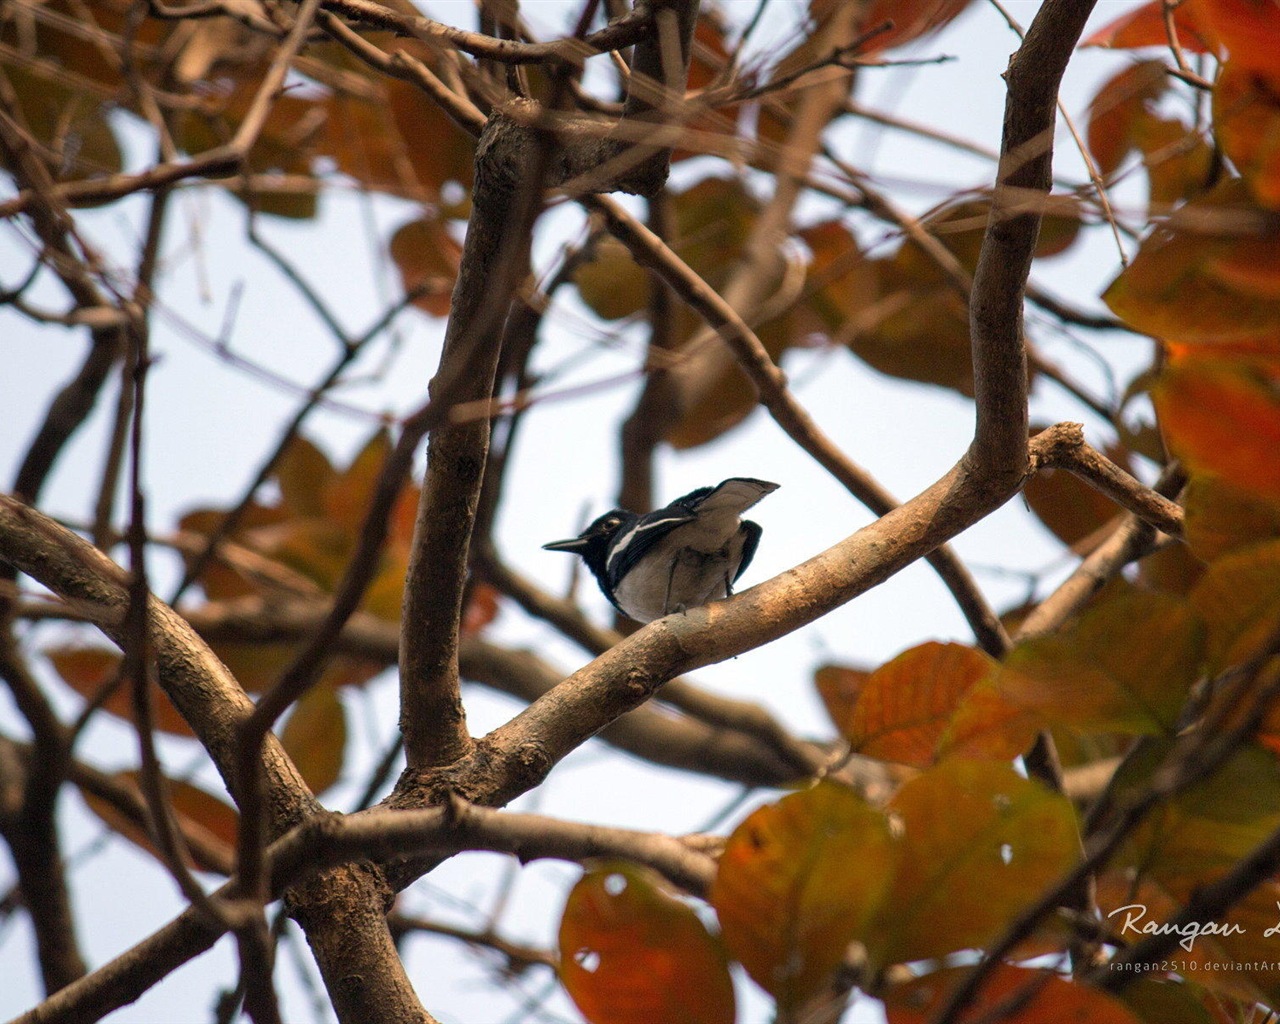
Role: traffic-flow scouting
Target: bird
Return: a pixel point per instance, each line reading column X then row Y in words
column 677, row 558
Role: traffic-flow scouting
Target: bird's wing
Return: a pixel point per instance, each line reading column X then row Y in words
column 633, row 541
column 736, row 494
column 750, row 541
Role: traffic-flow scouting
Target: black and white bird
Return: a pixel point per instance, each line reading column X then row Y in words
column 676, row 558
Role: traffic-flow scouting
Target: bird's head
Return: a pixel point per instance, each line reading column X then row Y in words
column 593, row 542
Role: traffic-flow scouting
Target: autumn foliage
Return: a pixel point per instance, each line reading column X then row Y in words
column 966, row 840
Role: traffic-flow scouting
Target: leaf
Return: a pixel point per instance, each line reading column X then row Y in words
column 905, row 706
column 88, row 670
column 1189, row 840
column 1239, row 601
column 713, row 220
column 611, row 283
column 219, row 580
column 1223, row 417
column 798, row 880
column 631, row 953
column 1049, row 999
column 1117, row 108
column 911, row 19
column 437, row 150
column 839, row 686
column 1221, row 517
column 1146, row 27
column 347, row 498
column 315, row 737
column 1249, row 29
column 1186, row 282
column 1246, row 117
column 1125, row 116
column 481, row 608
column 1171, row 568
column 201, row 816
column 978, row 844
column 1125, row 666
column 74, row 124
column 1165, row 1002
column 1202, row 831
column 428, row 258
column 303, row 472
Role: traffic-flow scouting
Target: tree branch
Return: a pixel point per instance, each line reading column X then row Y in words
column 1023, row 180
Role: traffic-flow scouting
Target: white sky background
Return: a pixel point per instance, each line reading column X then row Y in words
column 210, row 424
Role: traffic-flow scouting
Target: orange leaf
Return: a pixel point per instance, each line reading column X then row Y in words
column 87, row 670
column 1189, row 282
column 1249, row 29
column 428, row 258
column 315, row 737
column 481, row 609
column 911, row 19
column 1221, row 517
column 631, row 953
column 1116, row 109
column 839, row 686
column 1239, row 600
column 1125, row 666
column 1246, row 115
column 979, row 844
column 303, row 472
column 1050, row 999
column 346, row 500
column 905, row 706
column 201, row 816
column 799, row 880
column 1224, row 418
column 1146, row 27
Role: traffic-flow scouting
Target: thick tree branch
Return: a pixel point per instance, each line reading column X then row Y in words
column 725, row 740
column 332, row 840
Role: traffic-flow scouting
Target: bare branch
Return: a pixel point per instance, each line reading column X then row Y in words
column 1023, row 181
column 1095, row 469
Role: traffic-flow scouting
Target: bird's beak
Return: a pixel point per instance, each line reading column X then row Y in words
column 575, row 545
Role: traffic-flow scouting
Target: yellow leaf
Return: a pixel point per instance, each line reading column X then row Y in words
column 315, row 737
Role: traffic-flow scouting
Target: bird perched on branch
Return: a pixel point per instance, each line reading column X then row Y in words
column 676, row 558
